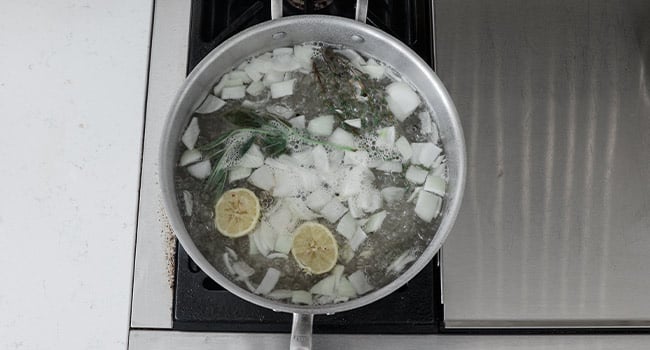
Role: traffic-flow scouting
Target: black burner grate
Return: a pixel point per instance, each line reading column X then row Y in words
column 200, row 304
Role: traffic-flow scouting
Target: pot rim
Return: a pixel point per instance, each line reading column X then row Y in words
column 166, row 173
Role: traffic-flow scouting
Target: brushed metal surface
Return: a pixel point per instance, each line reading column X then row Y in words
column 554, row 228
column 161, row 340
column 151, row 304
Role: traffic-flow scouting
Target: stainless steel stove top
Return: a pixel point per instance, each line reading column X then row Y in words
column 555, row 227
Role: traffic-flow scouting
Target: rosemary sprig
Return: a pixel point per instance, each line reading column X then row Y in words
column 350, row 93
column 270, row 132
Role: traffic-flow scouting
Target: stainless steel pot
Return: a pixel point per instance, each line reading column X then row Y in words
column 281, row 32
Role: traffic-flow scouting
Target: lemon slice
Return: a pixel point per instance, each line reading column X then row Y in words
column 314, row 248
column 236, row 212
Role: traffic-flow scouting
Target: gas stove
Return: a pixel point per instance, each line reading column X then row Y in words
column 202, row 304
column 552, row 235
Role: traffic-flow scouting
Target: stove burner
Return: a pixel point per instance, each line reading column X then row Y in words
column 311, row 5
column 203, row 305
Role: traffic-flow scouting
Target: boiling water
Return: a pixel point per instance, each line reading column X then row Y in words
column 401, row 231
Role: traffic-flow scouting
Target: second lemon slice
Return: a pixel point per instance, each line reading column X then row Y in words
column 236, row 212
column 314, row 248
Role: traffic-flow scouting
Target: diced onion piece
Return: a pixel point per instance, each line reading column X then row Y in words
column 333, row 210
column 323, row 299
column 232, row 253
column 321, row 160
column 283, row 243
column 369, row 200
column 355, row 211
column 336, row 158
column 228, row 263
column 345, row 288
column 304, row 159
column 308, row 179
column 261, row 64
column 200, row 170
column 300, row 209
column 347, row 226
column 190, row 156
column 356, row 158
column 252, row 246
column 272, row 76
column 285, row 184
column 342, row 138
column 439, row 161
column 373, row 69
column 346, row 253
column 435, row 135
column 301, row 297
column 427, row 206
column 414, row 194
column 283, row 88
column 435, row 184
column 425, row 153
column 375, row 221
column 400, row 262
column 187, row 201
column 191, row 134
column 232, row 83
column 239, row 75
column 351, row 182
column 255, row 88
column 426, row 125
column 304, row 55
column 354, row 123
column 321, row 126
column 217, row 88
column 318, row 199
column 282, row 219
column 416, row 174
column 324, row 286
column 262, row 247
column 358, row 238
column 250, row 286
column 211, row 104
column 404, row 148
column 402, row 100
column 264, row 238
column 441, row 171
column 386, row 137
column 388, row 166
column 262, row 178
column 242, row 269
column 285, row 63
column 361, row 222
column 253, row 158
column 254, row 73
column 281, row 51
column 238, row 173
column 233, row 92
column 277, row 256
column 298, row 122
column 337, row 272
column 360, row 282
column 393, row 194
column 280, row 294
column 268, row 282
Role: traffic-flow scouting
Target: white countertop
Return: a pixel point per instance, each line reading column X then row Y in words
column 72, row 98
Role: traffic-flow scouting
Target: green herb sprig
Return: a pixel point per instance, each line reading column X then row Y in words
column 270, row 132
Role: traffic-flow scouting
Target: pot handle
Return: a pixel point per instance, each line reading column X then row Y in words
column 360, row 14
column 301, row 332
